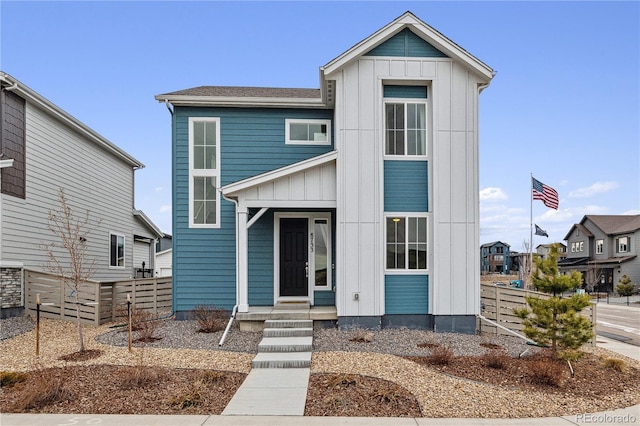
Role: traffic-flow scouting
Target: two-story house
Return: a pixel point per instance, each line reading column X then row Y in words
column 604, row 248
column 361, row 195
column 495, row 258
column 44, row 149
column 543, row 250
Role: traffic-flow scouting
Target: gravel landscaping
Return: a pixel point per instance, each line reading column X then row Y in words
column 356, row 372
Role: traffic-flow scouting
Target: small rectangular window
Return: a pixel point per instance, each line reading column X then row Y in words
column 116, row 251
column 405, row 126
column 623, row 244
column 406, row 242
column 599, row 246
column 307, row 132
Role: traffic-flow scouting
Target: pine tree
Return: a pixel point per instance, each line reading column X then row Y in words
column 626, row 287
column 556, row 322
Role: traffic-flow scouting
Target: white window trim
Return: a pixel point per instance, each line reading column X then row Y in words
column 406, row 271
column 599, row 246
column 626, row 244
column 405, row 157
column 329, row 286
column 290, row 121
column 204, row 172
column 124, row 251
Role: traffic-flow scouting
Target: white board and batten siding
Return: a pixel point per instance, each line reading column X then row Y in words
column 93, row 179
column 164, row 262
column 453, row 182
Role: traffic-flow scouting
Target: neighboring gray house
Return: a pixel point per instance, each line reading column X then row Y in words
column 604, row 248
column 543, row 250
column 43, row 149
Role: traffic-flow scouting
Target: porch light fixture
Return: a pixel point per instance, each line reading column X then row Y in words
column 396, row 219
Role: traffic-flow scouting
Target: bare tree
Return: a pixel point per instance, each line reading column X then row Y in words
column 526, row 265
column 71, row 234
column 593, row 276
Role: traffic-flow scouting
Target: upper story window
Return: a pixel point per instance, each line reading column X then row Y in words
column 599, row 246
column 406, row 242
column 116, row 251
column 405, row 127
column 577, row 247
column 623, row 245
column 307, row 132
column 499, row 249
column 204, row 172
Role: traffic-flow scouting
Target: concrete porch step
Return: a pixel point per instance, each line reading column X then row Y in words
column 282, row 360
column 287, row 332
column 292, row 305
column 286, row 344
column 288, row 323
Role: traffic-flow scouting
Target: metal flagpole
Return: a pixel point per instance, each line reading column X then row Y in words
column 531, row 224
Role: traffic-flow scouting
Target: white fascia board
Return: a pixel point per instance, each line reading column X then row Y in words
column 31, row 95
column 232, row 188
column 219, row 101
column 408, row 20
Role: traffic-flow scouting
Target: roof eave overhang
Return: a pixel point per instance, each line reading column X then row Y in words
column 219, row 101
column 433, row 36
column 148, row 223
column 31, row 95
column 232, row 189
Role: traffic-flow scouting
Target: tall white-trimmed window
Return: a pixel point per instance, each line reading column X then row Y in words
column 405, row 128
column 204, row 172
column 307, row 132
column 406, row 242
column 116, row 251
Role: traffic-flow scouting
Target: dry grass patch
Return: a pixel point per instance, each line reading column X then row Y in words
column 210, row 319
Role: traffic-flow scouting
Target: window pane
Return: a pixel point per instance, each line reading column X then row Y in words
column 422, row 229
column 210, row 212
column 421, row 116
column 210, row 159
column 413, row 230
column 198, row 188
column 113, row 250
column 411, row 116
column 421, row 142
column 321, row 238
column 210, row 188
column 399, row 116
column 198, row 157
column 298, row 132
column 198, row 133
column 422, row 256
column 318, row 132
column 210, row 133
column 120, row 250
column 198, row 212
column 411, row 142
column 399, row 140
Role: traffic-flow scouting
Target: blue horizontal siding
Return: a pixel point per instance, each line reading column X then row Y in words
column 324, row 298
column 252, row 142
column 261, row 261
column 413, row 92
column 405, row 186
column 406, row 294
column 408, row 44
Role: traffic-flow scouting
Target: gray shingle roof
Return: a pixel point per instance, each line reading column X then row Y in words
column 615, row 224
column 247, row 92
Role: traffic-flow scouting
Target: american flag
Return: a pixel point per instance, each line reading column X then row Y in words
column 547, row 194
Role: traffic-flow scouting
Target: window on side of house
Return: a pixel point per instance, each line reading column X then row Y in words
column 116, row 251
column 204, row 172
column 405, row 128
column 406, row 242
column 307, row 132
column 599, row 246
column 623, row 244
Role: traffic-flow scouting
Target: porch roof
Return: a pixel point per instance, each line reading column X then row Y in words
column 308, row 181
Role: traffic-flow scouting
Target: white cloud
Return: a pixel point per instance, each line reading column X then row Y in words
column 492, row 194
column 158, row 189
column 595, row 189
column 165, row 208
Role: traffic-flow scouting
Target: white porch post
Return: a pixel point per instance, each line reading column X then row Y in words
column 243, row 259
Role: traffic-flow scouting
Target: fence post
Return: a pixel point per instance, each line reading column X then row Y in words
column 498, row 302
column 113, row 302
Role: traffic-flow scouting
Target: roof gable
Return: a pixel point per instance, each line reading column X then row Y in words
column 406, row 43
column 418, row 28
column 614, row 224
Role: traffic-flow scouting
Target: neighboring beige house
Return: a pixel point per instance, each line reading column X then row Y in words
column 604, row 248
column 43, row 149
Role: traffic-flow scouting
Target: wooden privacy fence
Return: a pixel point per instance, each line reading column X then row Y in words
column 497, row 304
column 99, row 302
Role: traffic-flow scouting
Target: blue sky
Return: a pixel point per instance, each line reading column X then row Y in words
column 564, row 105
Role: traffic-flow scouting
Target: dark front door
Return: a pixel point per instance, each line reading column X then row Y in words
column 294, row 257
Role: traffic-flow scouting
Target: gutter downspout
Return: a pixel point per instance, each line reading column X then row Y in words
column 235, row 308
